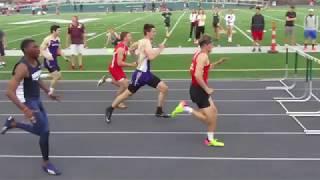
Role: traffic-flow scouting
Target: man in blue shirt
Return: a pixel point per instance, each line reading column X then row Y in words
column 24, row 91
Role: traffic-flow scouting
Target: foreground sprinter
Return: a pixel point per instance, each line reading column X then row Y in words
column 143, row 75
column 117, row 64
column 24, row 91
column 200, row 91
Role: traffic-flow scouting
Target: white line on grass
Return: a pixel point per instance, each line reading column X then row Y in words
column 159, row 133
column 28, row 36
column 130, row 22
column 245, row 34
column 167, row 158
column 142, row 114
column 174, row 26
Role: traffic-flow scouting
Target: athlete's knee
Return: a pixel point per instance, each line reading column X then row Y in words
column 163, row 87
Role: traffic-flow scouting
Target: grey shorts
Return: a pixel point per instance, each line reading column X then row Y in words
column 289, row 30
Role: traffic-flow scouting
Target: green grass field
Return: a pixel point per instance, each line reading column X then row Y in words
column 239, row 66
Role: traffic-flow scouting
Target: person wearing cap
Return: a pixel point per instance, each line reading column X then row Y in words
column 311, row 24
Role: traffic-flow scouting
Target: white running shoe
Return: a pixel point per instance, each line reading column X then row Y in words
column 101, row 81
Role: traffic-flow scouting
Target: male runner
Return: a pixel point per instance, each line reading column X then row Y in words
column 143, row 75
column 50, row 49
column 200, row 91
column 119, row 78
column 24, row 91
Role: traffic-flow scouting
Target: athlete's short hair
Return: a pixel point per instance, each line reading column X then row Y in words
column 25, row 43
column 54, row 28
column 123, row 35
column 147, row 28
column 205, row 40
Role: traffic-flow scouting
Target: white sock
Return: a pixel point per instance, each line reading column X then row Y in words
column 44, row 76
column 109, row 80
column 51, row 90
column 188, row 109
column 210, row 136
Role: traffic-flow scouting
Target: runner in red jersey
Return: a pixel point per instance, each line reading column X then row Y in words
column 115, row 68
column 200, row 91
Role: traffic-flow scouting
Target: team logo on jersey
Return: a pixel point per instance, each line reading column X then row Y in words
column 36, row 75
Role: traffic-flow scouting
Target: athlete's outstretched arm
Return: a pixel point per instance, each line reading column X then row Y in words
column 153, row 53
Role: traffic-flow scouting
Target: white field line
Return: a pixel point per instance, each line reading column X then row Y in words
column 143, row 114
column 245, row 34
column 177, row 70
column 174, row 26
column 166, row 158
column 159, row 133
column 127, row 23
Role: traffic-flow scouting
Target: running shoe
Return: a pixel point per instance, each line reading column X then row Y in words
column 7, row 125
column 102, row 80
column 108, row 114
column 214, row 143
column 179, row 109
column 51, row 169
column 162, row 115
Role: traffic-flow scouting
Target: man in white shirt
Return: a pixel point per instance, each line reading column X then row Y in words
column 230, row 19
column 311, row 24
column 193, row 20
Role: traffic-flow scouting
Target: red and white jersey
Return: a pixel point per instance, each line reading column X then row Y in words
column 193, row 68
column 114, row 62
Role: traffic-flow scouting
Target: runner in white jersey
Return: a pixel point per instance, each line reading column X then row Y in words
column 230, row 19
column 142, row 75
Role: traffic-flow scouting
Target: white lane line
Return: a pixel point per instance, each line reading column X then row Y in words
column 146, row 101
column 189, row 80
column 159, row 133
column 142, row 114
column 177, row 70
column 167, row 158
column 152, row 90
